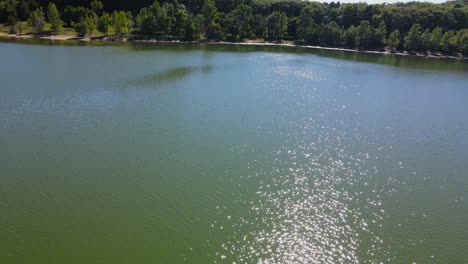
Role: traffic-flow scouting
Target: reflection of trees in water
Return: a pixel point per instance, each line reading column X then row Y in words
column 171, row 75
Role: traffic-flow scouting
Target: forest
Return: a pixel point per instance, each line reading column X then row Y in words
column 420, row 27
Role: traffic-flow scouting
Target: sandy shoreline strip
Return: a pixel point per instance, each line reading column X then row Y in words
column 249, row 43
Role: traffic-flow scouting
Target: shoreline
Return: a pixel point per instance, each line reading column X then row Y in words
column 247, row 43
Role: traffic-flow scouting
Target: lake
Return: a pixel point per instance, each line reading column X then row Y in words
column 173, row 153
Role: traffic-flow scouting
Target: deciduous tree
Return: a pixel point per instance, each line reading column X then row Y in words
column 53, row 17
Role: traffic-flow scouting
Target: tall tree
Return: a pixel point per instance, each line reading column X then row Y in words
column 72, row 14
column 394, row 40
column 180, row 23
column 121, row 23
column 448, row 43
column 90, row 24
column 104, row 23
column 213, row 30
column 209, row 12
column 277, row 24
column 259, row 26
column 462, row 41
column 97, row 7
column 8, row 13
column 53, row 17
column 365, row 34
column 380, row 35
column 434, row 39
column 307, row 29
column 240, row 20
column 350, row 37
column 37, row 20
column 331, row 34
column 413, row 38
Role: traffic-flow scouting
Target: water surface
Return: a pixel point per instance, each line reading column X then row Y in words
column 222, row 154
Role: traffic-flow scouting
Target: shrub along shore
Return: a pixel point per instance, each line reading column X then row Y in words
column 439, row 30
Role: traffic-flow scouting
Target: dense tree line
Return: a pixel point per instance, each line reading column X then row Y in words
column 414, row 26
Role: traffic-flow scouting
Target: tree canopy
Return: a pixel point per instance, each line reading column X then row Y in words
column 413, row 26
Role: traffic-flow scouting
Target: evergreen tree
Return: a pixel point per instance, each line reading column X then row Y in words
column 394, row 40
column 434, row 39
column 448, row 43
column 425, row 40
column 413, row 38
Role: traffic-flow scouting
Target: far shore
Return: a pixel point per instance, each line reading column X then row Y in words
column 249, row 42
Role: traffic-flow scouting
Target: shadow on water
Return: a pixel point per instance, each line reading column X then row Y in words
column 410, row 62
column 170, row 75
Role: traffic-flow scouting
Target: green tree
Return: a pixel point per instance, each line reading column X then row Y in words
column 37, row 20
column 434, row 39
column 80, row 28
column 198, row 22
column 90, row 25
column 8, row 13
column 413, row 38
column 448, row 43
column 425, row 40
column 130, row 19
column 167, row 18
column 307, row 29
column 180, row 23
column 190, row 29
column 53, row 17
column 72, row 14
column 209, row 12
column 277, row 24
column 350, row 37
column 331, row 34
column 104, row 23
column 365, row 34
column 156, row 20
column 147, row 20
column 380, row 35
column 240, row 20
column 394, row 40
column 97, row 7
column 213, row 30
column 259, row 26
column 121, row 23
column 462, row 41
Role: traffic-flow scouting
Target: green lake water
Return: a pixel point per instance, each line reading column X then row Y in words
column 172, row 153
